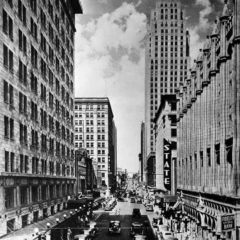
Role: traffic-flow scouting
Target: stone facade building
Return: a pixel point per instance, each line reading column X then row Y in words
column 167, row 54
column 208, row 137
column 95, row 131
column 36, row 109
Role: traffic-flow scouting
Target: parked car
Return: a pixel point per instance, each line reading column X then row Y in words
column 137, row 229
column 140, row 237
column 139, row 200
column 136, row 213
column 166, row 235
column 114, row 227
column 149, row 207
column 121, row 199
column 132, row 200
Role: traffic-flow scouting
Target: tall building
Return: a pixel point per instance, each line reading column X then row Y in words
column 36, row 117
column 141, row 154
column 208, row 137
column 167, row 54
column 95, row 130
column 166, row 144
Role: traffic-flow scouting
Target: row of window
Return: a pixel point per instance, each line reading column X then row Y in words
column 89, row 122
column 90, row 137
column 90, row 115
column 34, row 194
column 25, row 164
column 90, row 107
column 228, row 151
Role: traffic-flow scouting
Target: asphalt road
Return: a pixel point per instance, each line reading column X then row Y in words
column 126, row 220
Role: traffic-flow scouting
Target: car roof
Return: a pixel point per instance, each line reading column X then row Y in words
column 114, row 221
column 137, row 224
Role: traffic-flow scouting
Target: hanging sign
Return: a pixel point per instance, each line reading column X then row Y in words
column 167, row 164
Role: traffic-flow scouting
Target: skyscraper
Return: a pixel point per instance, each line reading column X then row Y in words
column 95, row 130
column 167, row 54
column 36, row 109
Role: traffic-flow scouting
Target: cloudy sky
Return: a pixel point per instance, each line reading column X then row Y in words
column 110, row 59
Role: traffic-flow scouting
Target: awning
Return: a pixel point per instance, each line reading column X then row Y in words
column 170, row 198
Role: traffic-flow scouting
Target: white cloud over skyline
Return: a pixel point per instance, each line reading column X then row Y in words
column 110, row 63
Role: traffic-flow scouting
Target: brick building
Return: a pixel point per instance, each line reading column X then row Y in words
column 36, row 117
column 208, row 137
column 95, row 131
column 167, row 54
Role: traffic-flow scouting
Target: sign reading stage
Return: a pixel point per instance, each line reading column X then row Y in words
column 167, row 164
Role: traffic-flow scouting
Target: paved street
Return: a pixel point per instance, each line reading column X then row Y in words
column 126, row 219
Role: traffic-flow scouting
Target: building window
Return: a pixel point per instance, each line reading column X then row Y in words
column 217, row 153
column 228, row 148
column 34, row 193
column 7, row 58
column 23, row 163
column 44, row 192
column 7, row 162
column 33, row 29
column 22, row 103
column 9, row 198
column 8, row 128
column 174, row 132
column 8, row 95
column 23, row 135
column 7, row 25
column 201, row 158
column 22, row 42
column 209, row 156
column 22, row 71
column 22, row 12
column 23, row 195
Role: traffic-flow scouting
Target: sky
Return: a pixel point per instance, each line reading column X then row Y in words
column 109, row 59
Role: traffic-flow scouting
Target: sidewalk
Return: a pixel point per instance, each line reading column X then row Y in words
column 28, row 233
column 180, row 236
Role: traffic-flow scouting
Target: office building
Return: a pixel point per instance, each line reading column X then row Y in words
column 36, row 117
column 141, row 154
column 167, row 56
column 166, row 144
column 208, row 137
column 95, row 131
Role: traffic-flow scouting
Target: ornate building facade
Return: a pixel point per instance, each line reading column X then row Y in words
column 36, row 109
column 208, row 132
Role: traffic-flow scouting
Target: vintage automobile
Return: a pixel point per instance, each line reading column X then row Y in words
column 136, row 213
column 149, row 207
column 114, row 227
column 132, row 200
column 137, row 229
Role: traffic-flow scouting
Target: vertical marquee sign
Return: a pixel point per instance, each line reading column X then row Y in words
column 167, row 164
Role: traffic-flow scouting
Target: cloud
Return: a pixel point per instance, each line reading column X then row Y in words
column 203, row 25
column 103, row 1
column 110, row 62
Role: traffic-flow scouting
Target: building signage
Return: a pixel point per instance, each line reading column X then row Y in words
column 228, row 222
column 167, row 164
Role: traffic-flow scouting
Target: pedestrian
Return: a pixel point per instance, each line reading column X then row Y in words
column 69, row 234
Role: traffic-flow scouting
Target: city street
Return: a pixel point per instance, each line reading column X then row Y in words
column 126, row 220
